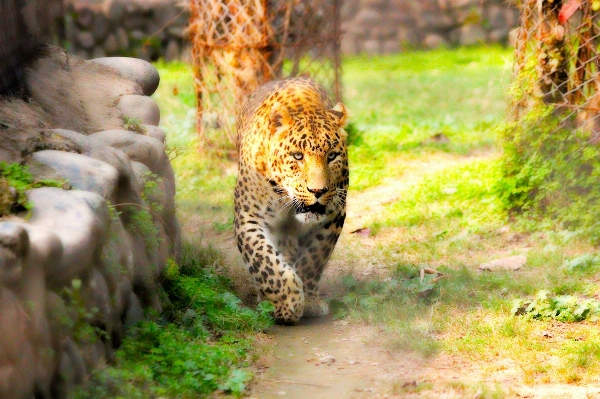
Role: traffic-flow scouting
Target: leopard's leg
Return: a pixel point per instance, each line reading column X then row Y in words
column 276, row 279
column 317, row 249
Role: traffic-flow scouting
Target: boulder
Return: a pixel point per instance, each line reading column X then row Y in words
column 80, row 219
column 142, row 108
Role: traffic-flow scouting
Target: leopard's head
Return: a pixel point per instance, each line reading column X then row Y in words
column 308, row 159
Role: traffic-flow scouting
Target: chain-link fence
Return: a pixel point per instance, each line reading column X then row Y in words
column 551, row 157
column 557, row 45
column 239, row 44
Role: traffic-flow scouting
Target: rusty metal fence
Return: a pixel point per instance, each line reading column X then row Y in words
column 556, row 62
column 239, row 44
column 551, row 145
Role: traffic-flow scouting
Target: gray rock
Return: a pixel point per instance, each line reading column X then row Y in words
column 513, row 35
column 14, row 246
column 137, row 35
column 98, row 52
column 348, row 45
column 434, row 41
column 79, row 367
column 65, row 381
column 155, row 132
column 178, row 31
column 186, row 53
column 17, row 356
column 434, row 21
column 471, row 34
column 368, row 16
column 499, row 35
column 140, row 71
column 510, row 263
column 93, row 353
column 122, row 38
column 80, row 219
column 117, row 254
column 135, row 312
column 111, row 44
column 495, row 17
column 82, row 172
column 128, row 190
column 462, row 3
column 142, row 108
column 97, row 296
column 122, row 297
column 85, row 39
column 99, row 27
column 44, row 249
column 172, row 52
column 85, row 16
column 140, row 148
column 113, row 9
column 390, row 46
column 135, row 20
column 371, row 47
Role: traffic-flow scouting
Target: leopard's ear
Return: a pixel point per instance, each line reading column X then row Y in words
column 280, row 116
column 339, row 113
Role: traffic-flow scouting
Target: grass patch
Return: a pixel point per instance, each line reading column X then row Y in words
column 200, row 344
column 422, row 103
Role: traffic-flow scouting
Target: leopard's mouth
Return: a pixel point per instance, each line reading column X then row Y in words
column 314, row 208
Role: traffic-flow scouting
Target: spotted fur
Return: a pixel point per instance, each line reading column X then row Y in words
column 290, row 195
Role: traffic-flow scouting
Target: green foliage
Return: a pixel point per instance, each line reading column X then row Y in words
column 199, row 345
column 142, row 223
column 19, row 178
column 78, row 321
column 582, row 263
column 550, row 171
column 133, row 124
column 564, row 308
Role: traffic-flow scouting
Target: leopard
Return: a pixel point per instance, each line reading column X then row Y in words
column 290, row 195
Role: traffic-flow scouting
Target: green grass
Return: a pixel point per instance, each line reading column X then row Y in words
column 400, row 102
column 201, row 343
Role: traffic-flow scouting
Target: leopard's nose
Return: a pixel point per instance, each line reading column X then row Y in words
column 318, row 192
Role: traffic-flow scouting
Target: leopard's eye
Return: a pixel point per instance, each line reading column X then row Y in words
column 298, row 156
column 332, row 156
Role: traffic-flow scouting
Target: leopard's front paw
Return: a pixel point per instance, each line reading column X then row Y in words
column 315, row 307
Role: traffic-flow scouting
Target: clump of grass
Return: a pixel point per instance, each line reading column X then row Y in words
column 199, row 345
column 15, row 181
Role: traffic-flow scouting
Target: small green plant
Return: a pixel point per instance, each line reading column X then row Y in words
column 151, row 187
column 79, row 320
column 142, row 223
column 133, row 124
column 15, row 181
column 564, row 308
column 582, row 263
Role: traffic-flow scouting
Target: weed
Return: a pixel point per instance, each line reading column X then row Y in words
column 565, row 308
column 142, row 223
column 133, row 124
column 15, row 181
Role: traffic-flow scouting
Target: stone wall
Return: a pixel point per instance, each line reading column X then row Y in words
column 146, row 29
column 390, row 26
column 150, row 29
column 83, row 262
